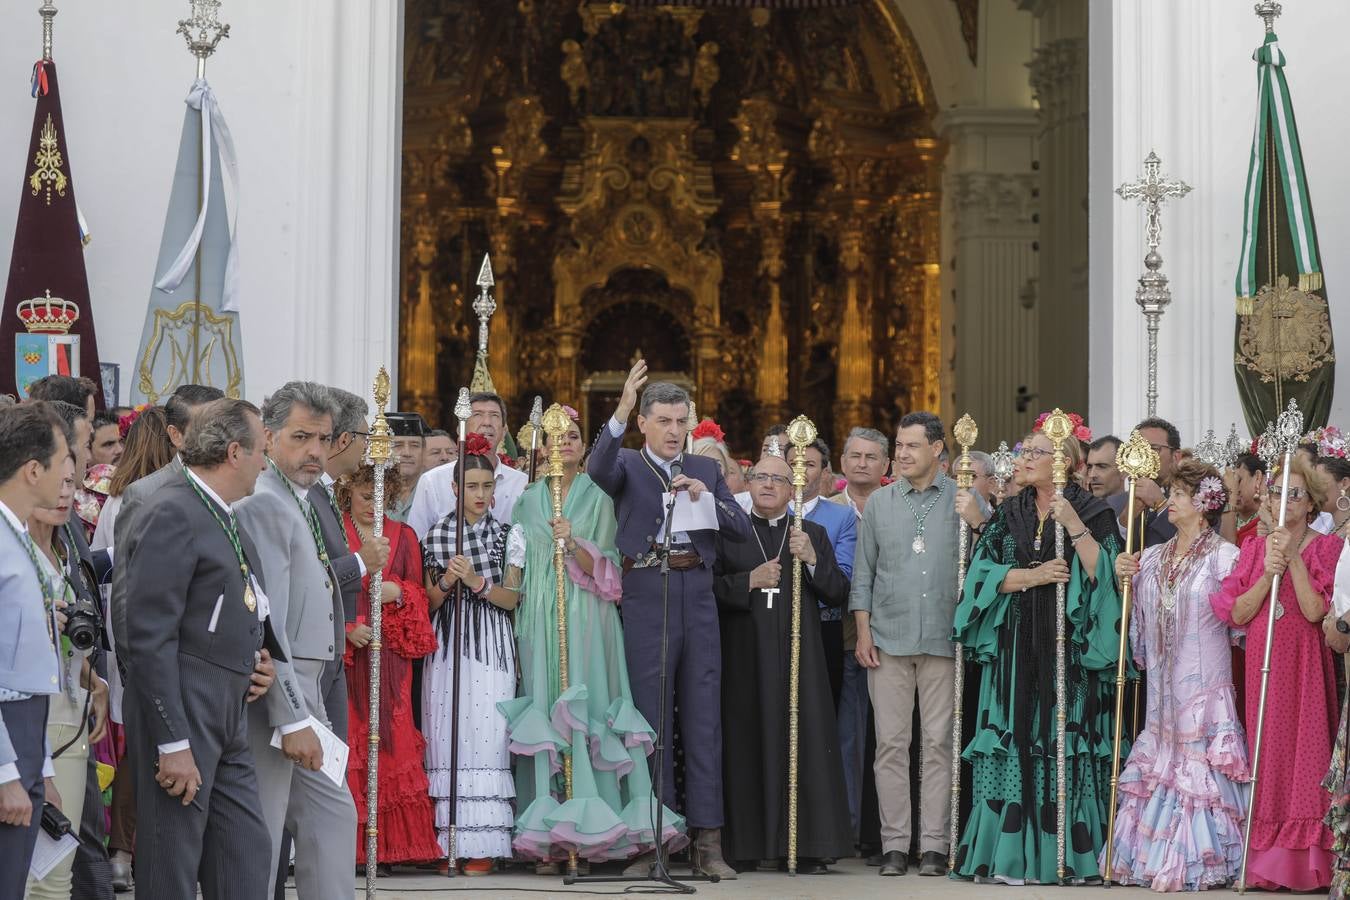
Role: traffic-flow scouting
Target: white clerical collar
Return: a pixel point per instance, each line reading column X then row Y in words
column 205, row 487
column 775, row 521
column 15, row 522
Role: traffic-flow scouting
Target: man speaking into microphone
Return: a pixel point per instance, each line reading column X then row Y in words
column 638, row 481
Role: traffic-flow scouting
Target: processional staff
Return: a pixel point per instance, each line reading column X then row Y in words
column 1059, row 429
column 379, row 454
column 1004, row 463
column 693, row 423
column 529, row 436
column 1284, row 437
column 1136, row 459
column 555, row 423
column 966, row 433
column 1153, row 295
column 462, row 412
column 801, row 434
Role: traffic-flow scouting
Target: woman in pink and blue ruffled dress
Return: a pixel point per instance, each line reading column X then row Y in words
column 1184, row 789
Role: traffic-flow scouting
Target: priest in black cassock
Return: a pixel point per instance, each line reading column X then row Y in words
column 753, row 584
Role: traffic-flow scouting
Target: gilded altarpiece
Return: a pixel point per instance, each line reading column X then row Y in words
column 748, row 198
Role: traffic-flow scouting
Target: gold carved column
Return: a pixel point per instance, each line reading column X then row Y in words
column 761, row 151
column 853, row 390
column 418, row 372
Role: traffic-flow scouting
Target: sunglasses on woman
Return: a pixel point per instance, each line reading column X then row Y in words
column 1295, row 493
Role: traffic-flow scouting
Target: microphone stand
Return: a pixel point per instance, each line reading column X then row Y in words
column 659, row 872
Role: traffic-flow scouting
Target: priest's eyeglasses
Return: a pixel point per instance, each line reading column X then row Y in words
column 770, row 478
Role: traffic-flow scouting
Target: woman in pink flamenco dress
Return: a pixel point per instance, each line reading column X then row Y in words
column 1290, row 845
column 1183, row 790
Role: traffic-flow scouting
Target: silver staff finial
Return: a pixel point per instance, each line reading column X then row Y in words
column 537, row 412
column 463, row 409
column 1152, row 191
column 1232, row 448
column 774, row 448
column 48, row 12
column 1208, row 450
column 203, row 31
column 485, row 305
column 1289, row 428
column 1269, row 11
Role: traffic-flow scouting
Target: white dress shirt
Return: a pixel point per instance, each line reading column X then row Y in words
column 435, row 496
column 617, row 428
column 10, row 771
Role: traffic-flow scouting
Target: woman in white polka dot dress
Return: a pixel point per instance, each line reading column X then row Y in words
column 486, row 655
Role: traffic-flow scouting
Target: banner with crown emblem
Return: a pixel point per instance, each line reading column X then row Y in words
column 46, row 317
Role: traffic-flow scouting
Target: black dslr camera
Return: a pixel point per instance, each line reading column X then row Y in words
column 84, row 620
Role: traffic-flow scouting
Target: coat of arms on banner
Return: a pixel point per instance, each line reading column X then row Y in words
column 47, row 347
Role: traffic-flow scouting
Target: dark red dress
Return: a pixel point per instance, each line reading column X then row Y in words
column 407, row 831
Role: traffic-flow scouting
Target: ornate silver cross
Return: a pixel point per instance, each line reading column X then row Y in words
column 769, row 595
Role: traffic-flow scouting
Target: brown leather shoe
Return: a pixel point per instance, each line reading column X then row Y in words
column 705, row 857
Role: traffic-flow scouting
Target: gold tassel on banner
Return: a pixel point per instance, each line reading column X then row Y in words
column 1246, row 306
column 1309, row 282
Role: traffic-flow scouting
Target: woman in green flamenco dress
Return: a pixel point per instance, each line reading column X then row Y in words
column 1006, row 623
column 611, row 813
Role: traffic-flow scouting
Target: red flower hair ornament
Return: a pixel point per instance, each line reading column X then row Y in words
column 477, row 445
column 1080, row 431
column 709, row 429
column 124, row 423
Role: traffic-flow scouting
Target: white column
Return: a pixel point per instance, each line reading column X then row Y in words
column 1179, row 80
column 989, row 216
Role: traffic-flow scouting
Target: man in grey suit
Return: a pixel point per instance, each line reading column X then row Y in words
column 344, row 457
column 201, row 620
column 33, row 443
column 179, row 410
column 307, row 598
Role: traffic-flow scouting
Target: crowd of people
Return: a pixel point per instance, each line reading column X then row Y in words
column 186, row 603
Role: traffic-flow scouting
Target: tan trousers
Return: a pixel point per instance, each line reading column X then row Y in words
column 892, row 686
column 72, row 769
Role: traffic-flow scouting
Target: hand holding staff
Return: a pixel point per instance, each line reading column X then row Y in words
column 1283, row 436
column 800, row 434
column 965, row 432
column 1136, row 459
column 379, row 453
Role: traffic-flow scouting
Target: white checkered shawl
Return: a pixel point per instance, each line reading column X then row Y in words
column 488, row 632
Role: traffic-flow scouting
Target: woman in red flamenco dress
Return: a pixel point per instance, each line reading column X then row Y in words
column 407, row 830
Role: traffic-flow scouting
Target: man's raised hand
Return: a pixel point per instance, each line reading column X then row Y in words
column 637, row 377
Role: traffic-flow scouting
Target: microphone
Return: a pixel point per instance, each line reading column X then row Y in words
column 676, row 470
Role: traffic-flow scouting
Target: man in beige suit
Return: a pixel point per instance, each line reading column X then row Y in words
column 306, row 598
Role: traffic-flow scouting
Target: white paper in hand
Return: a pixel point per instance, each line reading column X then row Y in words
column 335, row 751
column 49, row 852
column 692, row 515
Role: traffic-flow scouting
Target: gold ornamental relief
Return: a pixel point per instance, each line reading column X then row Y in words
column 48, row 162
column 1288, row 334
column 168, row 358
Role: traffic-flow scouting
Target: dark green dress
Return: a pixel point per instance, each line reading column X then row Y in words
column 1010, row 835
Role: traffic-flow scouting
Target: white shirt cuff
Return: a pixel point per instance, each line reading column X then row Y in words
column 173, row 747
column 360, row 564
column 48, row 770
column 9, row 772
column 616, row 427
column 811, row 569
column 293, row 727
column 109, row 551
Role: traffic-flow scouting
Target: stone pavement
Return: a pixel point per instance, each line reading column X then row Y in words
column 849, row 879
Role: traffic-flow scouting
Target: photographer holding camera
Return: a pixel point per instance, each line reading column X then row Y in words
column 70, row 734
column 34, row 452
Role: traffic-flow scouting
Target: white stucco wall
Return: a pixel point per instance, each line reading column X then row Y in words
column 1178, row 78
column 310, row 91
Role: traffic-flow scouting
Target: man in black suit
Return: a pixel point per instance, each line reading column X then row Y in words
column 201, row 621
column 1150, row 497
column 637, row 481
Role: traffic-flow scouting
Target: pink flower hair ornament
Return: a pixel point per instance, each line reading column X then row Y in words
column 1210, row 495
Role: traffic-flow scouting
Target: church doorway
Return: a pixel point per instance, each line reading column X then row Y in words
column 773, row 175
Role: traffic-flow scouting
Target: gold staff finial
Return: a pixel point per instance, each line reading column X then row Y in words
column 379, row 449
column 966, row 434
column 1058, row 428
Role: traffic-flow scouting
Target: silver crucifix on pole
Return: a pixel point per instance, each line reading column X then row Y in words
column 1153, row 295
column 485, row 305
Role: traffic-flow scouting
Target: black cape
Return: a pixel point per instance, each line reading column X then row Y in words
column 756, row 654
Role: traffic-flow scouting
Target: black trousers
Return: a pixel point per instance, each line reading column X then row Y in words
column 26, row 722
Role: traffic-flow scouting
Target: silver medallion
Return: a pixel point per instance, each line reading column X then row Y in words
column 918, row 545
column 1279, row 610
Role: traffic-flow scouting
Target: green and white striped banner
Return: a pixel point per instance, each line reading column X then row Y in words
column 1275, row 122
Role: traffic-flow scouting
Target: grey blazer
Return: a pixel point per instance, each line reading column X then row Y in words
column 304, row 594
column 133, row 502
column 344, row 562
column 189, row 591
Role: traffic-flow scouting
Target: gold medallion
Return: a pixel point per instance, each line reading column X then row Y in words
column 250, row 599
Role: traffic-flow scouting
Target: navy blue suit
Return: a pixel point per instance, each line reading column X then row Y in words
column 694, row 664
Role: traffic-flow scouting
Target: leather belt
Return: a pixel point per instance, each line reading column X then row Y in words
column 680, row 560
